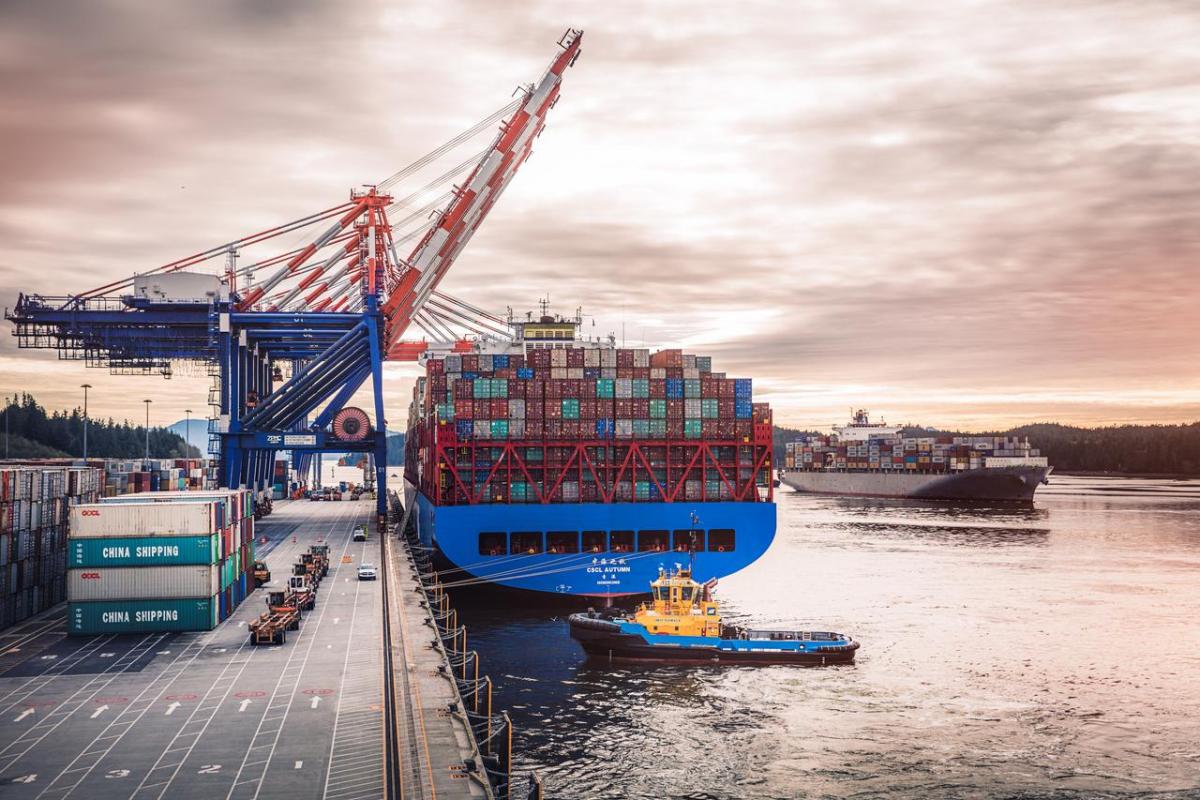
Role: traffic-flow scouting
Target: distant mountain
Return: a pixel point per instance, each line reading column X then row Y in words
column 199, row 433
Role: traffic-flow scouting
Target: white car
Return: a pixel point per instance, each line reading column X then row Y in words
column 366, row 572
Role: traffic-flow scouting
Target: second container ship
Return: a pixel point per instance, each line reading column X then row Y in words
column 869, row 459
column 571, row 466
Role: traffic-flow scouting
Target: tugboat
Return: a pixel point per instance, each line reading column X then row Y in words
column 682, row 623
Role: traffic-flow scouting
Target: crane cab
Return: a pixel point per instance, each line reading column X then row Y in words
column 679, row 606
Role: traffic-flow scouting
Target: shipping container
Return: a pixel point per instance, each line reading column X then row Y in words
column 144, row 551
column 141, row 583
column 124, row 517
column 141, row 616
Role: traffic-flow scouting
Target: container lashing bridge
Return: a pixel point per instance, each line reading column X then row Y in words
column 328, row 310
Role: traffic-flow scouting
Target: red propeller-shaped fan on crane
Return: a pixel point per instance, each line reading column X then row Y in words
column 351, row 425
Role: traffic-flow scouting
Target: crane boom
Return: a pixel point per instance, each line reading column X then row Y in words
column 441, row 245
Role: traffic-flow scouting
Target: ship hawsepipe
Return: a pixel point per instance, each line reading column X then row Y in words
column 731, row 535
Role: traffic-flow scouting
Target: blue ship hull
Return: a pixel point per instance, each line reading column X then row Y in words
column 454, row 532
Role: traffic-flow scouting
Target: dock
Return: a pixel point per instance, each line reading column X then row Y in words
column 208, row 715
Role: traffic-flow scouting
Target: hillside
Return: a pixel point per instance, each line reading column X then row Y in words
column 1127, row 449
column 43, row 435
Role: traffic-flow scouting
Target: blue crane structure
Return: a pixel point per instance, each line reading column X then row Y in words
column 329, row 312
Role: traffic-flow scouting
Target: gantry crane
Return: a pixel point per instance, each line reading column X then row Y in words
column 330, row 309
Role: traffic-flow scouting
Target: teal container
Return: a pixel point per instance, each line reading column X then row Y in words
column 499, row 429
column 658, row 429
column 641, row 428
column 144, row 551
column 570, row 408
column 692, row 429
column 709, row 408
column 691, row 388
column 605, row 388
column 141, row 616
column 658, row 409
column 640, row 387
column 481, row 388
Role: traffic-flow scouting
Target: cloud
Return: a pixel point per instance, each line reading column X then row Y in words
column 854, row 203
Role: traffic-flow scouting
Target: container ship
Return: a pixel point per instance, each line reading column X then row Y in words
column 558, row 464
column 868, row 459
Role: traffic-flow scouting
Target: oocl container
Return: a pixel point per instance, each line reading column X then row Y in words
column 112, row 518
column 142, row 583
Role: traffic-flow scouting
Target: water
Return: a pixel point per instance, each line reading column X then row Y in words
column 1051, row 651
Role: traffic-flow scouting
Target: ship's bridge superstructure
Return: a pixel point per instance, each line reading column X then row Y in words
column 861, row 429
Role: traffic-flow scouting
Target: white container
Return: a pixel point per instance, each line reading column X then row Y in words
column 97, row 520
column 142, row 583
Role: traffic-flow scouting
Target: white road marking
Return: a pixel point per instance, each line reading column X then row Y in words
column 315, row 701
column 336, row 620
column 107, row 655
column 26, row 778
column 99, row 711
column 49, row 658
column 242, row 705
column 163, row 653
column 299, row 764
column 171, row 708
column 23, row 714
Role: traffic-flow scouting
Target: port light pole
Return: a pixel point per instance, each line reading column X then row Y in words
column 147, row 402
column 85, row 387
column 187, row 431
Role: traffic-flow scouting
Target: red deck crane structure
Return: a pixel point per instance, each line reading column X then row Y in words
column 332, row 306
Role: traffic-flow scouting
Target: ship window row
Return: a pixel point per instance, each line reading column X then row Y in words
column 503, row 543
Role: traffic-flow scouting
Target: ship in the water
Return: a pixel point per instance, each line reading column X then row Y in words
column 866, row 459
column 555, row 463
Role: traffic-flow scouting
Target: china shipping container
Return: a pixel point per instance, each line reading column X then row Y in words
column 142, row 616
column 144, row 551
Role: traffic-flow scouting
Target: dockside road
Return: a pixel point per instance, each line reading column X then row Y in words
column 207, row 715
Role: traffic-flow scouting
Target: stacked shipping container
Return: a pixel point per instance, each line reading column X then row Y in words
column 925, row 454
column 34, row 508
column 125, row 476
column 159, row 561
column 586, row 424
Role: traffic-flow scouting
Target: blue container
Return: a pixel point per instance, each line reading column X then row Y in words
column 591, row 373
column 742, row 387
column 470, row 376
column 154, row 482
column 605, row 428
column 465, row 428
column 675, row 388
column 525, row 372
column 743, row 408
column 499, row 362
column 222, row 607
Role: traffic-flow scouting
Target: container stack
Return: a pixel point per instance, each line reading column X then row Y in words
column 34, row 509
column 922, row 454
column 601, row 398
column 129, row 476
column 159, row 561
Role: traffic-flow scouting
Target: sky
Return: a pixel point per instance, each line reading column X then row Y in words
column 973, row 215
